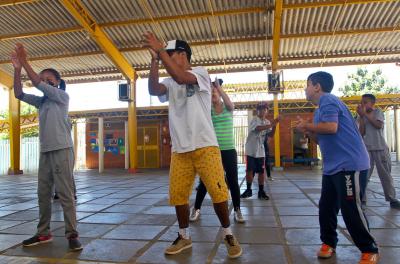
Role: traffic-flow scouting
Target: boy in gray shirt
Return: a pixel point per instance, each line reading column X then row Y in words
column 371, row 121
column 255, row 153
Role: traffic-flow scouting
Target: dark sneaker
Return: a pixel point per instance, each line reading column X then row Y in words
column 395, row 204
column 233, row 246
column 247, row 194
column 75, row 197
column 178, row 245
column 262, row 195
column 36, row 240
column 74, row 244
column 55, row 197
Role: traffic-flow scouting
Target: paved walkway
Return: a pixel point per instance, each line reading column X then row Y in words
column 124, row 218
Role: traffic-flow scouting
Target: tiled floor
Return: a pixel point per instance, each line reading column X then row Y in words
column 126, row 218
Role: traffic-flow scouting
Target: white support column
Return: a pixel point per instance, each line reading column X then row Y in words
column 126, row 146
column 393, row 131
column 249, row 117
column 397, row 132
column 101, row 144
column 388, row 130
column 75, row 129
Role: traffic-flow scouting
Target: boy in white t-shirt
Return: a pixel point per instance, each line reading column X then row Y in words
column 194, row 143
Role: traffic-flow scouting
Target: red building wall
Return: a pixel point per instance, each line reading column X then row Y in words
column 113, row 160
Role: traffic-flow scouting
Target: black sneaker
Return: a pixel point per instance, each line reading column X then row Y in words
column 247, row 194
column 74, row 244
column 75, row 197
column 55, row 197
column 36, row 240
column 395, row 204
column 262, row 195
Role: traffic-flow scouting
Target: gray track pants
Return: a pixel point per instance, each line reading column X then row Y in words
column 56, row 168
column 381, row 158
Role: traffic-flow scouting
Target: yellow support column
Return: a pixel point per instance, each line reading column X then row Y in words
column 15, row 134
column 275, row 56
column 14, row 125
column 277, row 138
column 132, row 127
column 82, row 15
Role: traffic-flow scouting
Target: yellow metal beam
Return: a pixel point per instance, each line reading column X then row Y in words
column 82, row 16
column 332, row 3
column 275, row 56
column 15, row 2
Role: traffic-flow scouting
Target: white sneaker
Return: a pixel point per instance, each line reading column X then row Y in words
column 237, row 215
column 195, row 215
column 270, row 178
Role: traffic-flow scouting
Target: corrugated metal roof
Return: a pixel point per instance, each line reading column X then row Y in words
column 334, row 45
column 340, row 17
column 193, row 30
column 33, row 17
column 121, row 10
column 56, row 45
column 307, row 34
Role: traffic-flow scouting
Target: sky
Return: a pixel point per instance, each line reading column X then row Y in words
column 104, row 95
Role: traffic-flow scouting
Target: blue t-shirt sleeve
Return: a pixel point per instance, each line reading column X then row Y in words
column 328, row 110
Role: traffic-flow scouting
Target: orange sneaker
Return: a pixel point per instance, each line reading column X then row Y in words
column 369, row 258
column 326, row 251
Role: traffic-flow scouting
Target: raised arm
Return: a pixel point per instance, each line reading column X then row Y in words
column 22, row 56
column 18, row 92
column 155, row 87
column 227, row 101
column 53, row 93
column 180, row 75
column 360, row 119
column 17, row 75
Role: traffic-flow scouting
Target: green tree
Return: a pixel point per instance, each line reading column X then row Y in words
column 363, row 82
column 26, row 109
